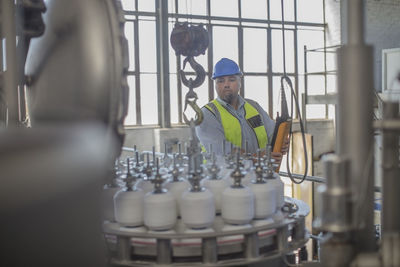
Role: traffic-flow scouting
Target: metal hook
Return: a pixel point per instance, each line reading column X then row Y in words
column 200, row 74
column 199, row 114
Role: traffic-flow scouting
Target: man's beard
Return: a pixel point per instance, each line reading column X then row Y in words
column 228, row 98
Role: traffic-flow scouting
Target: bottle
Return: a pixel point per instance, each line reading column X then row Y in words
column 274, row 180
column 197, row 204
column 215, row 183
column 128, row 202
column 265, row 199
column 146, row 173
column 177, row 185
column 109, row 190
column 159, row 206
column 237, row 200
column 247, row 164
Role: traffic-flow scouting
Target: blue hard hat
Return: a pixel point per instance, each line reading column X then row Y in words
column 225, row 67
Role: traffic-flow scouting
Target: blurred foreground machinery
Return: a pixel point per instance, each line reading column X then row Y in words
column 70, row 59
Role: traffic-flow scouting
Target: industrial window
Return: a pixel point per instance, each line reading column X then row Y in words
column 247, row 31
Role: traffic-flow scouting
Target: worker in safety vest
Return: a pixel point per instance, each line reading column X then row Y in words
column 232, row 118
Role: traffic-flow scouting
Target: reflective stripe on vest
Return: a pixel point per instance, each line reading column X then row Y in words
column 231, row 124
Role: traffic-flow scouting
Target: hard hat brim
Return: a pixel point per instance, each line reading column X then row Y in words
column 222, row 75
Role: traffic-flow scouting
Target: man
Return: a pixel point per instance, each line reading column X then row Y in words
column 232, row 118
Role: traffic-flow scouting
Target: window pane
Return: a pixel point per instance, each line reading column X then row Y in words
column 331, row 112
column 316, row 85
column 148, row 98
column 146, row 5
column 172, row 55
column 276, row 10
column 131, row 117
column 256, row 88
column 225, row 43
column 311, row 39
column 277, row 96
column 147, row 46
column 173, row 98
column 224, row 8
column 131, row 45
column 255, row 9
column 310, row 11
column 128, row 5
column 171, row 6
column 315, row 111
column 255, row 50
column 197, row 7
column 277, row 51
column 331, row 83
column 331, row 61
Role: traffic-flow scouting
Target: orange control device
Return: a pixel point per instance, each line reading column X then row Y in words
column 282, row 127
column 282, row 132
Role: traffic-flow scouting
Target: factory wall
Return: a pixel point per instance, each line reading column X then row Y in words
column 146, row 137
column 332, row 18
column 382, row 30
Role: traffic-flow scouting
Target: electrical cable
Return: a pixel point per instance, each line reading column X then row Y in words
column 286, row 79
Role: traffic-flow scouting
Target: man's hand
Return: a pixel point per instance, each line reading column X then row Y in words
column 277, row 156
column 285, row 146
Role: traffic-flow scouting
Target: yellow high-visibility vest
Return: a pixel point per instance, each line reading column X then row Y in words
column 231, row 125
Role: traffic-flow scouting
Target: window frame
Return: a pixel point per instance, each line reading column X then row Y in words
column 163, row 18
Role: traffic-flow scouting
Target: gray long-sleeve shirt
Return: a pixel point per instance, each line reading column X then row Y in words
column 211, row 131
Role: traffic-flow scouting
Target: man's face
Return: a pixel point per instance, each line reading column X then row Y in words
column 228, row 87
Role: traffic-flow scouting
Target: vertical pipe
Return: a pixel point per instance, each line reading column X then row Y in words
column 325, row 67
column 391, row 185
column 296, row 60
column 3, row 107
column 123, row 248
column 281, row 238
column 355, row 90
column 304, row 100
column 270, row 76
column 22, row 52
column 209, row 250
column 164, row 251
column 299, row 230
column 210, row 54
column 269, row 64
column 10, row 74
column 251, row 246
column 355, row 22
column 163, row 63
column 391, row 172
column 240, row 45
column 178, row 76
column 22, row 49
column 137, row 71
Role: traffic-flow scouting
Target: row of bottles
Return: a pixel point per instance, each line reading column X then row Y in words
column 156, row 196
